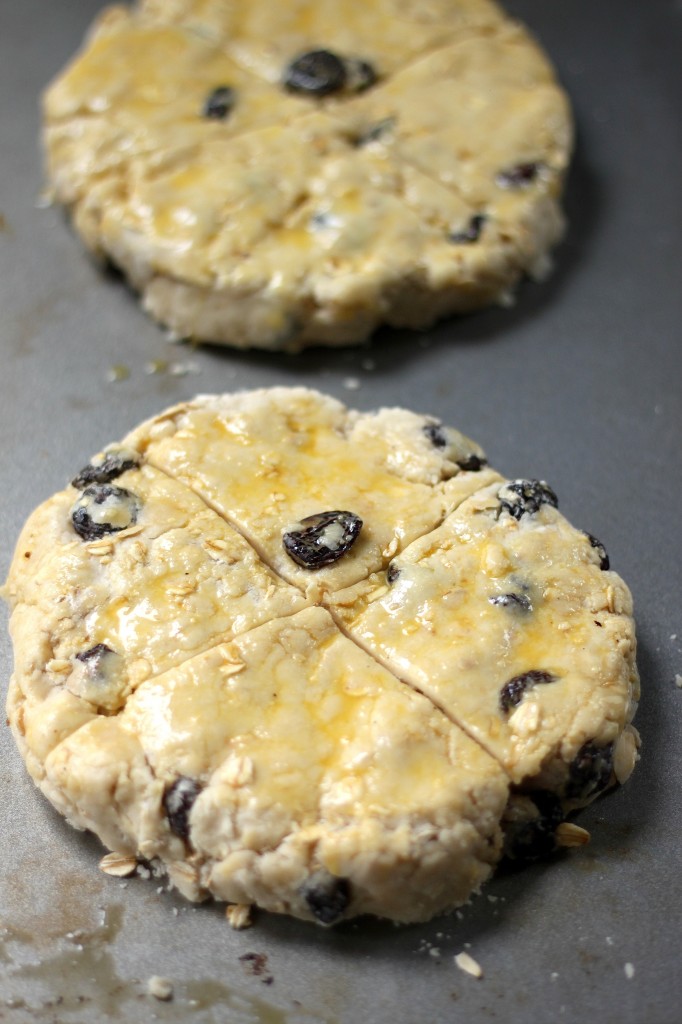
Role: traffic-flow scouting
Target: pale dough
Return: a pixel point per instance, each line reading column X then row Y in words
column 444, row 670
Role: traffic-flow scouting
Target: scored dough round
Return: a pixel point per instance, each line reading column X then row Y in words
column 365, row 728
column 290, row 219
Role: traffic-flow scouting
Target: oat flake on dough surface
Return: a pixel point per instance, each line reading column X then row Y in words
column 365, row 728
column 417, row 173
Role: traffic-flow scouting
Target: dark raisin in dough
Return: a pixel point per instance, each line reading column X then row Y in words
column 526, row 497
column 518, row 176
column 518, row 602
column 604, row 562
column 82, row 513
column 320, row 221
column 316, row 73
column 220, row 103
column 93, row 655
column 437, row 435
column 325, row 537
column 512, row 692
column 327, row 897
column 107, row 469
column 533, row 838
column 375, row 131
column 360, row 75
column 471, row 233
column 392, row 573
column 472, row 463
column 178, row 800
column 590, row 771
column 100, row 676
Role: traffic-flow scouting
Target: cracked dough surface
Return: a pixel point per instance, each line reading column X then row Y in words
column 296, row 220
column 322, row 742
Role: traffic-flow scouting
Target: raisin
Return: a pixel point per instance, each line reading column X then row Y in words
column 94, row 657
column 360, row 75
column 327, row 897
column 375, row 131
column 316, row 73
column 512, row 692
column 472, row 463
column 325, row 537
column 444, row 438
column 471, row 233
column 220, row 103
column 526, row 497
column 178, row 800
column 324, row 220
column 392, row 573
column 436, row 434
column 100, row 677
column 106, row 467
column 513, row 601
column 590, row 771
column 604, row 562
column 532, row 838
column 103, row 509
column 518, row 176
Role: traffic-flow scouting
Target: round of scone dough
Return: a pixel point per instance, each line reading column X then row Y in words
column 279, row 175
column 322, row 661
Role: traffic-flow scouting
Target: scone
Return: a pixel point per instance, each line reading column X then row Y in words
column 282, row 175
column 323, row 661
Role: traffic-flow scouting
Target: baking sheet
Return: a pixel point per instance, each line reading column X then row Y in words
column 578, row 383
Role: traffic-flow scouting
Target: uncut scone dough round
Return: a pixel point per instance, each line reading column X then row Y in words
column 354, row 715
column 427, row 185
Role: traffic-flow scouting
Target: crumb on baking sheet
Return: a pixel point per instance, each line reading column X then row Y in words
column 182, row 369
column 466, row 963
column 117, row 372
column 160, row 988
column 155, row 366
column 256, row 964
column 239, row 915
column 629, row 971
column 120, row 865
column 678, row 682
